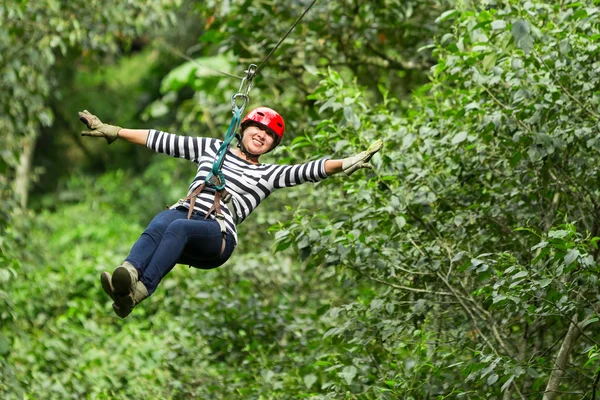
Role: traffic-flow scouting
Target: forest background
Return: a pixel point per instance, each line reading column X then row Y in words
column 465, row 265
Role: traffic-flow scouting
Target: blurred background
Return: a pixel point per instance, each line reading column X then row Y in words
column 464, row 264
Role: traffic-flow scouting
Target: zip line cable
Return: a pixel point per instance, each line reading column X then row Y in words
column 286, row 35
column 185, row 56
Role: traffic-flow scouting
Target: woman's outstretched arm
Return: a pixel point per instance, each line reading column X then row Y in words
column 352, row 164
column 135, row 136
column 333, row 167
column 111, row 133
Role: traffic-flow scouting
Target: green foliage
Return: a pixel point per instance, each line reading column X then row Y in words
column 464, row 265
column 64, row 341
column 35, row 37
column 500, row 138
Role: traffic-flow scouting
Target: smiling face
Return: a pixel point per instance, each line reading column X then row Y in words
column 257, row 141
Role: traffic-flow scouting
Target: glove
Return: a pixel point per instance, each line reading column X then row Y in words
column 98, row 128
column 352, row 164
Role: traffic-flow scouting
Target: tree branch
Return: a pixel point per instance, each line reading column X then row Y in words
column 595, row 386
column 584, row 108
column 400, row 287
column 507, row 108
column 561, row 358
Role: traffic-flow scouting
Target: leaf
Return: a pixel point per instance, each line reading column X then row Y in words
column 540, row 245
column 460, row 137
column 545, row 282
column 311, row 69
column 331, row 103
column 580, row 14
column 446, row 15
column 400, row 221
column 282, row 245
column 158, row 109
column 267, row 375
column 303, row 243
column 521, row 34
column 348, row 114
column 211, row 36
column 507, row 383
column 390, row 308
column 4, row 346
column 520, row 29
column 498, row 298
column 310, row 380
column 458, row 256
column 558, row 234
column 498, row 25
column 348, row 374
column 476, row 262
column 335, row 77
column 46, row 117
column 299, row 139
column 198, row 68
column 492, row 379
column 564, row 46
column 519, row 275
column 489, row 61
column 590, row 321
column 571, row 256
column 322, row 364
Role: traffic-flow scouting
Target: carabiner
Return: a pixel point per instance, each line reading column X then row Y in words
column 234, row 104
column 245, row 87
column 246, row 84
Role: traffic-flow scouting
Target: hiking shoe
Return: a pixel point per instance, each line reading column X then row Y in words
column 124, row 279
column 124, row 304
column 107, row 286
column 121, row 312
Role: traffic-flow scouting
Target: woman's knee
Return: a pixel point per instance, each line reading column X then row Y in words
column 159, row 224
column 177, row 228
column 154, row 234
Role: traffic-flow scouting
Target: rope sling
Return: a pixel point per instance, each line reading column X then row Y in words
column 215, row 178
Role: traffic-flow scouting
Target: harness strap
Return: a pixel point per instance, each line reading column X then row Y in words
column 216, row 207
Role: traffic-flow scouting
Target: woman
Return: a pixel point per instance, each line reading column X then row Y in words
column 196, row 237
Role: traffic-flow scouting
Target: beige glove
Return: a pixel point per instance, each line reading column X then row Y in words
column 98, row 128
column 352, row 164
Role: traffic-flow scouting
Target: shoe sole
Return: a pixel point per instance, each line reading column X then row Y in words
column 106, row 285
column 121, row 281
column 121, row 313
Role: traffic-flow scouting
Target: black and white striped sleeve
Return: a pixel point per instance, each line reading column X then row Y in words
column 291, row 175
column 188, row 147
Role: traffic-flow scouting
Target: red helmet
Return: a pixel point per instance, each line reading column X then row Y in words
column 268, row 118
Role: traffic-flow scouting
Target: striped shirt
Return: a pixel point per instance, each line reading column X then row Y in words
column 248, row 183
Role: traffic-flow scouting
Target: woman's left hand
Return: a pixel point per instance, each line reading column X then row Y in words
column 352, row 164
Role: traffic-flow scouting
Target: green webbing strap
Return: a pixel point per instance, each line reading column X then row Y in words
column 215, row 177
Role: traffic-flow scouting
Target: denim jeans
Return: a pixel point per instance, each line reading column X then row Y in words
column 171, row 239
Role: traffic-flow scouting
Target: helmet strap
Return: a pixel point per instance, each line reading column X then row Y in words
column 249, row 155
column 240, row 145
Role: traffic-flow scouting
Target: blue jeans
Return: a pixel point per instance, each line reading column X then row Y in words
column 171, row 239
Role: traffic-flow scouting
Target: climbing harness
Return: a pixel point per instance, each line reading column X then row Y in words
column 215, row 178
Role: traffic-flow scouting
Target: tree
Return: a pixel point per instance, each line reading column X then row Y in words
column 36, row 35
column 502, row 138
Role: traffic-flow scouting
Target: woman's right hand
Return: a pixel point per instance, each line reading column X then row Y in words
column 97, row 128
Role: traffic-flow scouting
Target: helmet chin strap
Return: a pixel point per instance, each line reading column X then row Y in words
column 243, row 149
